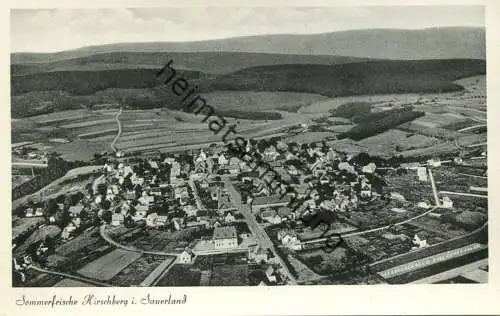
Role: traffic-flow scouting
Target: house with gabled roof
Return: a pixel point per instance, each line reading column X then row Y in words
column 229, row 217
column 186, row 256
column 270, row 201
column 258, row 254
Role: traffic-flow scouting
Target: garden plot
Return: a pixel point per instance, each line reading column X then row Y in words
column 229, row 275
column 78, row 243
column 106, row 267
column 137, row 271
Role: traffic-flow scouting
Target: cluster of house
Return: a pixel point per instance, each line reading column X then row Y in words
column 184, row 192
column 135, row 195
column 327, row 182
column 216, row 161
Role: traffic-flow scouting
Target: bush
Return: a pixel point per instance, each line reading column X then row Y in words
column 352, row 110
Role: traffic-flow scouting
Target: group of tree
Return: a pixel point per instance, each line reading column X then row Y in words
column 352, row 110
column 371, row 128
column 375, row 116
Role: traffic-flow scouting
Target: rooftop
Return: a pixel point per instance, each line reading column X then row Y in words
column 224, row 232
column 272, row 199
column 76, row 209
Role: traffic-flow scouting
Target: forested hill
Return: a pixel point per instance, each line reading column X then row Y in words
column 373, row 77
column 402, row 44
column 74, row 89
column 344, row 79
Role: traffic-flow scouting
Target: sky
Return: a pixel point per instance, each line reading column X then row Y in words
column 51, row 30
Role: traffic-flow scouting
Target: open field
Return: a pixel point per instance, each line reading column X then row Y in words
column 181, row 275
column 229, row 275
column 106, row 267
column 72, row 283
column 394, row 141
column 260, row 101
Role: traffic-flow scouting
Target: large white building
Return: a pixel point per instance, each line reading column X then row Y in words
column 422, row 174
column 225, row 237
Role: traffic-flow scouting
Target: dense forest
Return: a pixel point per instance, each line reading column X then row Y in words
column 360, row 78
column 370, row 128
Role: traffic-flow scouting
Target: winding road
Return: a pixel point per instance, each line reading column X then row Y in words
column 119, row 130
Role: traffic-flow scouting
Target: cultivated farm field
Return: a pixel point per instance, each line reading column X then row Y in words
column 109, row 265
column 261, row 101
column 92, row 130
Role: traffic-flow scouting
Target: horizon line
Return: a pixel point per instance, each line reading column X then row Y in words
column 254, row 35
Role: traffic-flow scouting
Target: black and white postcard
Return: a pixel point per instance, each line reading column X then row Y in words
column 215, row 158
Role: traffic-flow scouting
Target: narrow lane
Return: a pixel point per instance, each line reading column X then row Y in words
column 119, row 131
column 434, row 190
column 199, row 204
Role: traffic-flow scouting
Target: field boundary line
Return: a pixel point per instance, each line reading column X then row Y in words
column 71, row 276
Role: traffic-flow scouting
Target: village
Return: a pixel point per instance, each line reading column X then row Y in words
column 188, row 206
